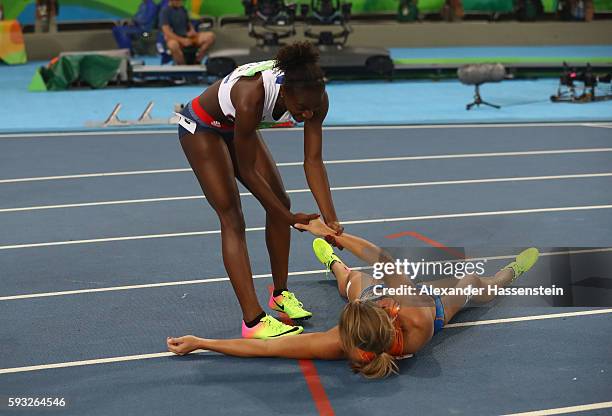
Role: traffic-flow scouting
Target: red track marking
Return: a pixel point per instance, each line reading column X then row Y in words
column 427, row 240
column 317, row 391
column 316, row 388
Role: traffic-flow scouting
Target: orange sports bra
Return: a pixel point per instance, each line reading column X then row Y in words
column 397, row 348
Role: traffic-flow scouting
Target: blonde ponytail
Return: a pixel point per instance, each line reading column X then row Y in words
column 365, row 327
column 383, row 365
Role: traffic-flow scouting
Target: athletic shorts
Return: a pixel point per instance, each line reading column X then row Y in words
column 193, row 118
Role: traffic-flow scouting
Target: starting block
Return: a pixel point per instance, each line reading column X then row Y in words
column 145, row 119
column 111, row 121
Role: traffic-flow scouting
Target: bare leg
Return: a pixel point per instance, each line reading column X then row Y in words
column 210, row 160
column 204, row 42
column 278, row 233
column 177, row 52
column 454, row 303
column 351, row 282
column 343, row 275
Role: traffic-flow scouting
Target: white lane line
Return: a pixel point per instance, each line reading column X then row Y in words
column 127, row 238
column 528, row 318
column 512, row 256
column 462, row 126
column 466, row 156
column 172, row 131
column 43, row 135
column 130, row 287
column 153, row 285
column 261, row 276
column 564, row 410
column 368, row 221
column 327, row 162
column 90, row 362
column 603, row 125
column 551, row 253
column 95, row 175
column 118, row 202
column 476, row 214
column 168, row 354
column 305, row 190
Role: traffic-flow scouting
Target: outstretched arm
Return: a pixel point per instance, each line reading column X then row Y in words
column 248, row 97
column 365, row 250
column 248, row 114
column 316, row 345
column 314, row 169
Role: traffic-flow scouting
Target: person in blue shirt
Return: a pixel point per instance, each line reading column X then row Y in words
column 143, row 21
column 180, row 34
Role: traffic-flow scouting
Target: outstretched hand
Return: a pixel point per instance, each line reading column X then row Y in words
column 316, row 227
column 301, row 218
column 182, row 345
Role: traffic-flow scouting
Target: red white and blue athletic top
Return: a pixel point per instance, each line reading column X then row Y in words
column 272, row 80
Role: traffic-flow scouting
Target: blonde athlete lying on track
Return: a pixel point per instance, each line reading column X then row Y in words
column 373, row 331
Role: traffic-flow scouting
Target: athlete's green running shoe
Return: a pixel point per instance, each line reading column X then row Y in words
column 523, row 262
column 287, row 302
column 270, row 327
column 324, row 252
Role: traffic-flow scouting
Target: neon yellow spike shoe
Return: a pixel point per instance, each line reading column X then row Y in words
column 287, row 302
column 523, row 262
column 270, row 327
column 325, row 253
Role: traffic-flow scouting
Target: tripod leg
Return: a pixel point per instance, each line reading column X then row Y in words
column 477, row 97
column 491, row 105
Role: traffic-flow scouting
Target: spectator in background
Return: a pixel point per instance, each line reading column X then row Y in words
column 143, row 21
column 180, row 34
column 529, row 10
column 580, row 10
column 1, row 11
column 46, row 12
column 452, row 11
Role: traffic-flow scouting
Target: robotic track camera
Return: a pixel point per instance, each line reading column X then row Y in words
column 591, row 91
column 326, row 22
column 269, row 22
column 323, row 13
column 274, row 19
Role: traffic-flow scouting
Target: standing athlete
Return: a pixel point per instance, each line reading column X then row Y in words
column 219, row 134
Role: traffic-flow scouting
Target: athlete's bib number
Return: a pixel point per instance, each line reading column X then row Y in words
column 186, row 123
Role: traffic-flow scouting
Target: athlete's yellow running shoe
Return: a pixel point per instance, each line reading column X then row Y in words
column 324, row 252
column 270, row 327
column 287, row 302
column 523, row 262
